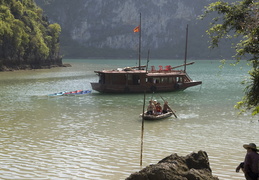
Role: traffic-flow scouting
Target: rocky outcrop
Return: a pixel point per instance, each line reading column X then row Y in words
column 194, row 166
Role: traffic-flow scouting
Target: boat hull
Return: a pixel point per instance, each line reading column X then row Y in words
column 156, row 117
column 111, row 88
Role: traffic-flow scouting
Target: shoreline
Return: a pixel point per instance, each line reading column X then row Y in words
column 28, row 67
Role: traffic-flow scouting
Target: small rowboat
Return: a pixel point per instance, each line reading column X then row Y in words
column 156, row 117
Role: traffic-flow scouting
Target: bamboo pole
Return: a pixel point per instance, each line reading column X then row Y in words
column 142, row 129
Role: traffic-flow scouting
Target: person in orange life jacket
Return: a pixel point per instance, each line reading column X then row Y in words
column 158, row 108
column 250, row 166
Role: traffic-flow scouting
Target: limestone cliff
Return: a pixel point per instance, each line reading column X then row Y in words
column 104, row 28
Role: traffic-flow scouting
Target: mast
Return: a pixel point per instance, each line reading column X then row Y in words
column 147, row 60
column 186, row 46
column 139, row 48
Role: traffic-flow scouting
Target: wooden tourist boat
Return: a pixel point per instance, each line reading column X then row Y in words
column 139, row 79
column 132, row 80
column 135, row 80
column 156, row 117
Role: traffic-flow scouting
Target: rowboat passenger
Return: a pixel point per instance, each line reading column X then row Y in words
column 158, row 108
column 150, row 108
column 166, row 107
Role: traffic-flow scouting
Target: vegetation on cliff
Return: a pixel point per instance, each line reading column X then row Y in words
column 27, row 39
column 240, row 19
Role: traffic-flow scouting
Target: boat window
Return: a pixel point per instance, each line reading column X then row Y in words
column 102, row 78
column 129, row 77
column 164, row 80
column 136, row 79
column 149, row 80
column 118, row 79
column 156, row 80
column 170, row 80
column 179, row 79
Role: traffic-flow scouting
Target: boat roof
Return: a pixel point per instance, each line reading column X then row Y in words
column 152, row 72
column 149, row 73
column 172, row 73
column 121, row 72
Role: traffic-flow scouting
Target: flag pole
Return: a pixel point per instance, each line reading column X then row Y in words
column 139, row 49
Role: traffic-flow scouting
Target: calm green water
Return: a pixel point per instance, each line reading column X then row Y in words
column 97, row 136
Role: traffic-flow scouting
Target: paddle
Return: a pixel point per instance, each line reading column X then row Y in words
column 169, row 107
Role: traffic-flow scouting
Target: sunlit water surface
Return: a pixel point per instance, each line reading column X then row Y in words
column 97, row 136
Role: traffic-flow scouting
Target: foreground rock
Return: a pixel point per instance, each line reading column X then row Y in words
column 194, row 166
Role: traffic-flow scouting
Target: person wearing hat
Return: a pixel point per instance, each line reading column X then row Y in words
column 250, row 166
column 155, row 104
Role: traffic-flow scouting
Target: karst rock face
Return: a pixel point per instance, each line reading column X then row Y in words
column 194, row 166
column 105, row 28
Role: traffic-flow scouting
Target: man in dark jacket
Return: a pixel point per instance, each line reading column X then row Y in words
column 251, row 163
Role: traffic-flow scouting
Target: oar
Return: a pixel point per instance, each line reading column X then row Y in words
column 169, row 107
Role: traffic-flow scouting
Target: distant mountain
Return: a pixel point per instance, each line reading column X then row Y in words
column 104, row 28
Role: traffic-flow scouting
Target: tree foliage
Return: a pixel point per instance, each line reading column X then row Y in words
column 26, row 37
column 239, row 20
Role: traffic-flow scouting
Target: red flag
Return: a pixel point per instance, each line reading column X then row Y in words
column 136, row 29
